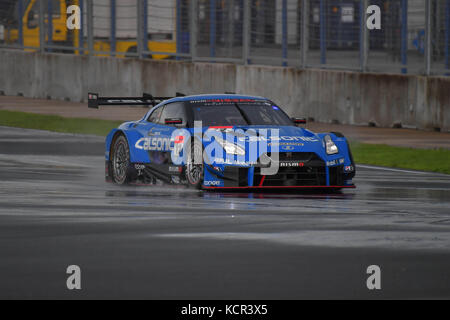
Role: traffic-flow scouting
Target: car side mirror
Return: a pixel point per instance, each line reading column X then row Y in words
column 173, row 121
column 31, row 21
column 299, row 121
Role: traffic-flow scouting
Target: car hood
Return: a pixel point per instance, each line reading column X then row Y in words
column 281, row 139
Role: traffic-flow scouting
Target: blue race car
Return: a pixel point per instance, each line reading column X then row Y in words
column 225, row 141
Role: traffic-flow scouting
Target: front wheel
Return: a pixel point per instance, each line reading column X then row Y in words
column 194, row 171
column 120, row 162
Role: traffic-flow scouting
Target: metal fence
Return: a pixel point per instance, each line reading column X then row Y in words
column 414, row 35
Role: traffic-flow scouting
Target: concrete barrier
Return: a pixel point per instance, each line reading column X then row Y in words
column 325, row 95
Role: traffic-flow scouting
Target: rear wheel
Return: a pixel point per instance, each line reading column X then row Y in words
column 120, row 161
column 194, row 171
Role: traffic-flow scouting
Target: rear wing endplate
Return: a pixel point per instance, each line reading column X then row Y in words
column 94, row 100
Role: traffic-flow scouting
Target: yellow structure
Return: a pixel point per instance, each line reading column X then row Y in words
column 61, row 36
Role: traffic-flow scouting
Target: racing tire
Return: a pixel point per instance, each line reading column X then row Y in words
column 195, row 172
column 120, row 161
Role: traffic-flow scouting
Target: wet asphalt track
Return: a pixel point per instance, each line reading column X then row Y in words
column 163, row 243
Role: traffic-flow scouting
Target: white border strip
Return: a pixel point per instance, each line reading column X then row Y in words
column 395, row 170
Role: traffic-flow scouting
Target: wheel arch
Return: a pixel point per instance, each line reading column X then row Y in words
column 110, row 139
column 136, row 156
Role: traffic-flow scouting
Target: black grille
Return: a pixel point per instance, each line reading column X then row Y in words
column 307, row 158
column 308, row 171
column 336, row 176
column 310, row 176
column 305, row 176
column 297, row 156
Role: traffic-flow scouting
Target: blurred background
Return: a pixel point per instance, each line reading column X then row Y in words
column 414, row 37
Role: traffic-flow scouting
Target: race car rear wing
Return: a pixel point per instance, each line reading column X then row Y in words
column 94, row 101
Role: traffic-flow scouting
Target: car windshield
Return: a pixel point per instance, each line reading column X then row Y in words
column 239, row 112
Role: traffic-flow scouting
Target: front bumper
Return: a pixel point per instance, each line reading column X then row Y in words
column 303, row 171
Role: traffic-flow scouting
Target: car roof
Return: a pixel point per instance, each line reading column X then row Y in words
column 212, row 96
column 202, row 97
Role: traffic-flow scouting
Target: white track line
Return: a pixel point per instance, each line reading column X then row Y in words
column 392, row 169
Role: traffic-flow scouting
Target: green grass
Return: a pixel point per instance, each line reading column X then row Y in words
column 379, row 155
column 56, row 123
column 436, row 160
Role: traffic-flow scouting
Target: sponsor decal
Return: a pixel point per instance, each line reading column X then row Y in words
column 234, row 162
column 212, row 183
column 282, row 144
column 349, row 169
column 175, row 169
column 178, row 145
column 292, row 164
column 296, row 138
column 156, row 131
column 139, row 167
column 280, row 138
column 335, row 162
column 154, row 144
column 179, row 139
column 224, row 129
column 221, row 101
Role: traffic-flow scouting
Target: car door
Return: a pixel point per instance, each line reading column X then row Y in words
column 172, row 117
column 159, row 127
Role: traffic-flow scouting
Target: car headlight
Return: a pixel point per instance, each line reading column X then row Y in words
column 231, row 148
column 330, row 146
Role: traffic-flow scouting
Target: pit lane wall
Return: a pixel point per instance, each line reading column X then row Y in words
column 327, row 96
